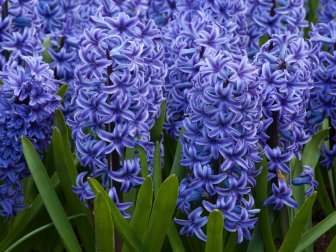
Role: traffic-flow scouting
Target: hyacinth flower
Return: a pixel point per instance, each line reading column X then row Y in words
column 28, row 102
column 323, row 96
column 285, row 64
column 306, row 178
column 188, row 38
column 161, row 11
column 118, row 93
column 19, row 34
column 220, row 143
column 327, row 11
column 269, row 17
column 63, row 22
column 194, row 224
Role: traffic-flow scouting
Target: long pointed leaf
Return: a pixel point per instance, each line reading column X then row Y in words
column 143, row 162
column 157, row 172
column 332, row 245
column 49, row 196
column 322, row 195
column 215, row 226
column 103, row 225
column 62, row 90
column 61, row 125
column 67, row 174
column 177, row 168
column 175, row 238
column 163, row 209
column 38, row 230
column 311, row 152
column 315, row 232
column 124, row 229
column 256, row 243
column 264, row 220
column 142, row 210
column 26, row 218
column 156, row 131
column 298, row 226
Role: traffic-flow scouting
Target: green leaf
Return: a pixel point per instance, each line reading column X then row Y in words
column 157, row 173
column 231, row 243
column 298, row 226
column 67, row 174
column 298, row 191
column 61, row 125
column 36, row 231
column 130, row 153
column 261, row 196
column 256, row 243
column 103, row 224
column 49, row 196
column 332, row 245
column 175, row 238
column 45, row 54
column 215, row 226
column 322, row 194
column 315, row 232
column 263, row 39
column 62, row 90
column 124, row 229
column 312, row 150
column 142, row 210
column 156, row 131
column 26, row 218
column 143, row 162
column 177, row 168
column 310, row 157
column 169, row 151
column 162, row 212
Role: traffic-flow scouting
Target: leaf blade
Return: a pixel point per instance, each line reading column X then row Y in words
column 49, row 196
column 104, row 229
column 215, row 226
column 124, row 229
column 162, row 212
column 298, row 225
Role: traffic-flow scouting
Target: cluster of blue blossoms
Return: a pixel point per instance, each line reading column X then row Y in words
column 239, row 78
column 323, row 96
column 28, row 98
column 118, row 93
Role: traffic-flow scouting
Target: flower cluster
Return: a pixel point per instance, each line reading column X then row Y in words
column 220, row 144
column 273, row 17
column 323, row 96
column 285, row 64
column 19, row 30
column 188, row 38
column 28, row 101
column 118, row 93
column 327, row 11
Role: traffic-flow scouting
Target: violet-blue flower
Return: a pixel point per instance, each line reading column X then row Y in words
column 194, row 224
column 28, row 102
column 323, row 96
column 118, row 93
column 306, row 178
column 224, row 103
column 281, row 195
column 274, row 17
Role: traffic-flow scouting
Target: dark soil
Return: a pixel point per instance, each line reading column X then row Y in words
column 322, row 243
